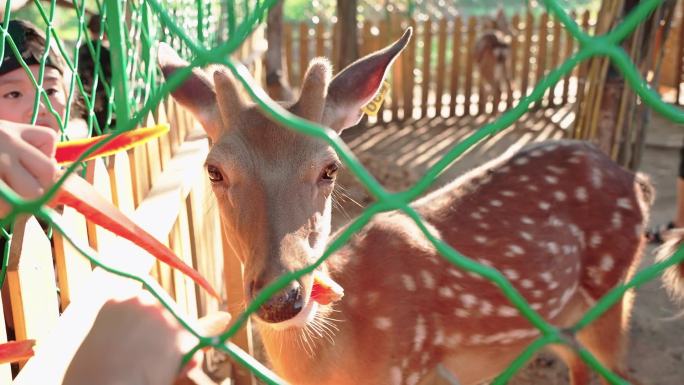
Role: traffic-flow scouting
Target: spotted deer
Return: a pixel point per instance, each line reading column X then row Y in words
column 492, row 56
column 559, row 219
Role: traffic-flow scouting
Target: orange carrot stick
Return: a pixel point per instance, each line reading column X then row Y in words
column 325, row 290
column 83, row 197
column 14, row 351
column 68, row 152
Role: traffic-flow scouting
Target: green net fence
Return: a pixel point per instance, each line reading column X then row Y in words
column 197, row 30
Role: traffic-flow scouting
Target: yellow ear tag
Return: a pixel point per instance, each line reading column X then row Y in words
column 372, row 108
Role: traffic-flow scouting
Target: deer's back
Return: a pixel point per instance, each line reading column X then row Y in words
column 558, row 219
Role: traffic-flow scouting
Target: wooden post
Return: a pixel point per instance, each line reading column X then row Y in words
column 470, row 46
column 456, row 56
column 303, row 50
column 427, row 51
column 31, row 281
column 409, row 84
column 287, row 35
column 515, row 48
column 73, row 269
column 542, row 44
column 555, row 57
column 526, row 53
column 569, row 44
column 441, row 64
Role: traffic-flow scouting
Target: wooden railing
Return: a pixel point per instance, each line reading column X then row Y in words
column 51, row 287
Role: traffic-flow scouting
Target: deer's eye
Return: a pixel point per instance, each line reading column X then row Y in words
column 329, row 172
column 215, row 175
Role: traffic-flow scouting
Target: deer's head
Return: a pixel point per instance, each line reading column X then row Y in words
column 273, row 185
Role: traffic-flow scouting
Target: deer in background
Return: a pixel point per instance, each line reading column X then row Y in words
column 559, row 219
column 492, row 55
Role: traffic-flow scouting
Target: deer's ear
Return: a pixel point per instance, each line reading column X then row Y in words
column 196, row 93
column 356, row 85
column 227, row 96
column 311, row 100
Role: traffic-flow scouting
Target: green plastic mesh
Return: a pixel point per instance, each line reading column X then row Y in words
column 194, row 28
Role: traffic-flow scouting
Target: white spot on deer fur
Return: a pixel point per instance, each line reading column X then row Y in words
column 574, row 160
column 527, row 220
column 483, row 209
column 565, row 297
column 523, row 178
column 555, row 169
column 372, row 297
column 475, row 276
column 550, row 179
column 515, row 249
column 555, row 222
column 532, row 188
column 537, row 293
column 536, row 306
column 624, row 203
column 455, row 273
column 521, row 161
column 553, row 313
column 496, row 203
column 552, row 301
column 507, row 193
column 480, row 239
column 595, row 240
column 395, row 375
column 382, row 323
column 476, row 339
column 483, row 226
column 506, row 311
column 413, row 379
column 446, row 292
column 544, row 205
column 607, row 263
column 536, row 153
column 504, row 169
column 511, row 274
column 462, row 313
column 568, row 270
column 551, row 147
column 485, row 262
column 638, row 230
column 428, row 279
column 616, row 220
column 560, row 196
column 581, row 194
column 596, row 178
column 420, row 334
column 553, row 248
column 486, row 308
column 546, row 276
column 526, row 236
column 476, row 215
column 439, row 338
column 468, row 300
column 454, row 340
column 527, row 284
column 409, row 282
column 567, row 249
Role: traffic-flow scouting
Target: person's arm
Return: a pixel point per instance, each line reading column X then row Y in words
column 26, row 160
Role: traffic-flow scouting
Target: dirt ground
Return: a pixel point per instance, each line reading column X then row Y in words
column 397, row 155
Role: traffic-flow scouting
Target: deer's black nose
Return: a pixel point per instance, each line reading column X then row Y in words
column 283, row 305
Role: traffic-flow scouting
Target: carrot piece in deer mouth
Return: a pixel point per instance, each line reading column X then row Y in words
column 325, row 290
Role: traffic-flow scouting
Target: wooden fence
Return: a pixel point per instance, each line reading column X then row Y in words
column 437, row 75
column 672, row 70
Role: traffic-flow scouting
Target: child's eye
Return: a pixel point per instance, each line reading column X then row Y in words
column 12, row 95
column 51, row 91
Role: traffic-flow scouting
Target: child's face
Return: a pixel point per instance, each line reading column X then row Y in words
column 17, row 95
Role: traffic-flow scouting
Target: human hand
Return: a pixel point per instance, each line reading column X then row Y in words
column 135, row 341
column 27, row 162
